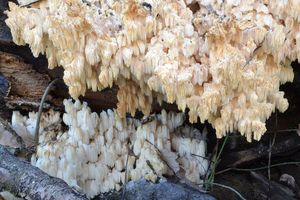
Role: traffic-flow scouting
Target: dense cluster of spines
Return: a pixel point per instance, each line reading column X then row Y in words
column 91, row 155
column 225, row 61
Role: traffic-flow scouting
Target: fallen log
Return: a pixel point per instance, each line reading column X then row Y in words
column 166, row 190
column 285, row 143
column 272, row 189
column 29, row 182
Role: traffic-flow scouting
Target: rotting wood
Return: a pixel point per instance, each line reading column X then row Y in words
column 25, row 81
column 287, row 142
column 28, row 85
column 277, row 192
column 19, row 177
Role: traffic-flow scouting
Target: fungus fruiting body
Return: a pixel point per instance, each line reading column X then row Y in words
column 91, row 155
column 224, row 61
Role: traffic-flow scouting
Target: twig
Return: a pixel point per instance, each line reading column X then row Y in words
column 206, row 158
column 229, row 188
column 272, row 142
column 124, row 187
column 24, row 152
column 210, row 162
column 163, row 159
column 151, row 167
column 258, row 168
column 284, row 130
column 37, row 124
column 226, row 187
column 254, row 52
column 130, row 153
column 8, row 127
column 177, row 174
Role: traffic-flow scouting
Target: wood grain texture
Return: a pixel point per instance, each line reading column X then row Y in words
column 25, row 81
column 30, row 182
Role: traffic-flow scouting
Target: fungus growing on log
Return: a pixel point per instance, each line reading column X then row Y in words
column 224, row 62
column 91, row 155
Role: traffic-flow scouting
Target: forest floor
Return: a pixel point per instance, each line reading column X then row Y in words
column 252, row 187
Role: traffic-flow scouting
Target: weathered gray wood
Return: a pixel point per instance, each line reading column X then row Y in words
column 144, row 190
column 4, row 30
column 19, row 177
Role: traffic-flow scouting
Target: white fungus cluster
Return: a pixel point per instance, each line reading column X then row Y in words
column 92, row 154
column 25, row 126
column 225, row 61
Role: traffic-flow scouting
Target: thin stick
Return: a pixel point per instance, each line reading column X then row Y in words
column 124, row 188
column 162, row 158
column 229, row 188
column 8, row 127
column 254, row 52
column 258, row 168
column 129, row 153
column 37, row 124
column 272, row 142
column 206, row 158
column 285, row 130
column 224, row 186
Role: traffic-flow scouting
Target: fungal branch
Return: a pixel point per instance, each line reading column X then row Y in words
column 225, row 62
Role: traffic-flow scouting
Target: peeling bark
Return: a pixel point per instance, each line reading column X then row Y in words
column 19, row 177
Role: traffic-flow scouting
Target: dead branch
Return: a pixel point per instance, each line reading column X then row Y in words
column 7, row 126
column 287, row 142
column 19, row 177
column 277, row 191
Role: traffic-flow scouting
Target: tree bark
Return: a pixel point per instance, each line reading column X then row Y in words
column 19, row 177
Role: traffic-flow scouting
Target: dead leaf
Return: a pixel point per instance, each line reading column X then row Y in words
column 298, row 130
column 27, row 2
column 171, row 159
column 288, row 179
column 5, row 195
